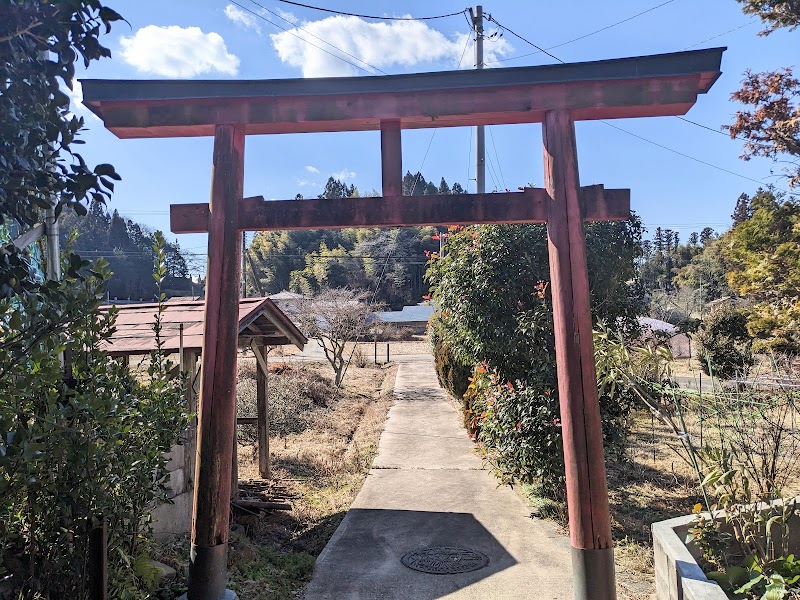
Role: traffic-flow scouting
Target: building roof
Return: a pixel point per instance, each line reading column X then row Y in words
column 410, row 314
column 259, row 319
column 664, row 84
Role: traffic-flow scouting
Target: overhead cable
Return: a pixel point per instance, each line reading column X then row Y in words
column 362, row 16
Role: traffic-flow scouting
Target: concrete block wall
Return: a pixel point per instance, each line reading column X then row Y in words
column 678, row 576
column 176, row 517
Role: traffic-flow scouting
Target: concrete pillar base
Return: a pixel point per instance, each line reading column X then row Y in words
column 593, row 574
column 208, row 573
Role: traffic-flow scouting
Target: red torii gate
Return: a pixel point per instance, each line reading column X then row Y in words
column 554, row 95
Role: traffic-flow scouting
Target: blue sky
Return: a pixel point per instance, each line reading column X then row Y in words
column 211, row 39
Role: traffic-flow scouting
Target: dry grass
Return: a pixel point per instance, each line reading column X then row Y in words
column 323, row 466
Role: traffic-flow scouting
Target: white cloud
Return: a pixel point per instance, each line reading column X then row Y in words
column 344, row 174
column 312, row 169
column 288, row 16
column 307, row 183
column 398, row 43
column 242, row 18
column 178, row 52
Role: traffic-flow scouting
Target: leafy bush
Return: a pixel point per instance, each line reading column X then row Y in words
column 724, row 345
column 79, row 449
column 452, row 374
column 494, row 310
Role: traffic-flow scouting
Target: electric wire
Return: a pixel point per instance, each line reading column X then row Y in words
column 607, row 27
column 713, row 166
column 317, row 37
column 289, row 31
column 649, row 141
column 721, row 34
column 362, row 16
column 497, row 158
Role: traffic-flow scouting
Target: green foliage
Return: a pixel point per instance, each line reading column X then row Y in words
column 724, row 345
column 128, row 248
column 774, row 13
column 452, row 374
column 764, row 256
column 519, row 429
column 494, row 311
column 390, row 261
column 76, row 449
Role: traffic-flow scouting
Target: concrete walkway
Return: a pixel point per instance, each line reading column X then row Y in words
column 427, row 488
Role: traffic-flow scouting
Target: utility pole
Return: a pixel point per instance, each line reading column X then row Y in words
column 52, row 255
column 480, row 134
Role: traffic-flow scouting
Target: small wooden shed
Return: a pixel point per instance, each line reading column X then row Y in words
column 261, row 325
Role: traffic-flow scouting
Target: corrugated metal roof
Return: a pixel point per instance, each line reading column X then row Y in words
column 409, row 314
column 258, row 318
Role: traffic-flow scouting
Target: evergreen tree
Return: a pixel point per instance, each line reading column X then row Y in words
column 743, row 211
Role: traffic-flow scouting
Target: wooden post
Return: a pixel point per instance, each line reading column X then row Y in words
column 98, row 561
column 190, row 367
column 262, row 402
column 235, row 465
column 217, row 411
column 587, row 495
column 391, row 158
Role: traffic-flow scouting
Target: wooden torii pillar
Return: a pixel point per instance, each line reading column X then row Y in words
column 554, row 95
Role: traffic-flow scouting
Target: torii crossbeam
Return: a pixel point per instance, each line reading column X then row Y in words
column 554, row 95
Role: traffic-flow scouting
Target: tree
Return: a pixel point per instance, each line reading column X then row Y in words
column 742, row 211
column 764, row 266
column 774, row 13
column 39, row 167
column 772, row 127
column 335, row 318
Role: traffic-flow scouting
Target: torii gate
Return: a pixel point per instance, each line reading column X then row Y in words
column 554, row 95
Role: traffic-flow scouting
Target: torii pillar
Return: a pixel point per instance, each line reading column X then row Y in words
column 584, row 460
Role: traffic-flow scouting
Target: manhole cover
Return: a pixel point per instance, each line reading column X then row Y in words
column 443, row 560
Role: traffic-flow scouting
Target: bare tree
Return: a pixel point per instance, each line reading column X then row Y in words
column 334, row 318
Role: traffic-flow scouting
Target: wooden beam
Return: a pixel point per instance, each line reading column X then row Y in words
column 587, row 496
column 391, row 158
column 620, row 88
column 528, row 206
column 217, row 411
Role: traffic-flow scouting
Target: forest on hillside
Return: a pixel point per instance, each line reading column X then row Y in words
column 128, row 248
column 390, row 263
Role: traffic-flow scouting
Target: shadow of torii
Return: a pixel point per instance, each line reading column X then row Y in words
column 363, row 559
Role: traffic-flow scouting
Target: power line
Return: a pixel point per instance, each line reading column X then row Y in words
column 349, row 14
column 644, row 12
column 649, row 141
column 491, row 19
column 497, row 157
column 290, row 32
column 317, row 37
column 713, row 166
column 721, row 34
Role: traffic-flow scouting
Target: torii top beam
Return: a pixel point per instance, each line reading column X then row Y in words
column 659, row 85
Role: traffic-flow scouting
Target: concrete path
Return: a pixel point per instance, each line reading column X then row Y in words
column 428, row 488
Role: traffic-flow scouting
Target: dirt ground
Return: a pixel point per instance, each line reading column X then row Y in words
column 320, row 468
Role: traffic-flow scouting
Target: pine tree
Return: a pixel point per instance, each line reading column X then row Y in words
column 743, row 210
column 444, row 189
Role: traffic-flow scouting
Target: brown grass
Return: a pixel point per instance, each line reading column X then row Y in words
column 323, row 468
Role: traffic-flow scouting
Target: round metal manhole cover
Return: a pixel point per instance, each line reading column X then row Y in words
column 444, row 560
